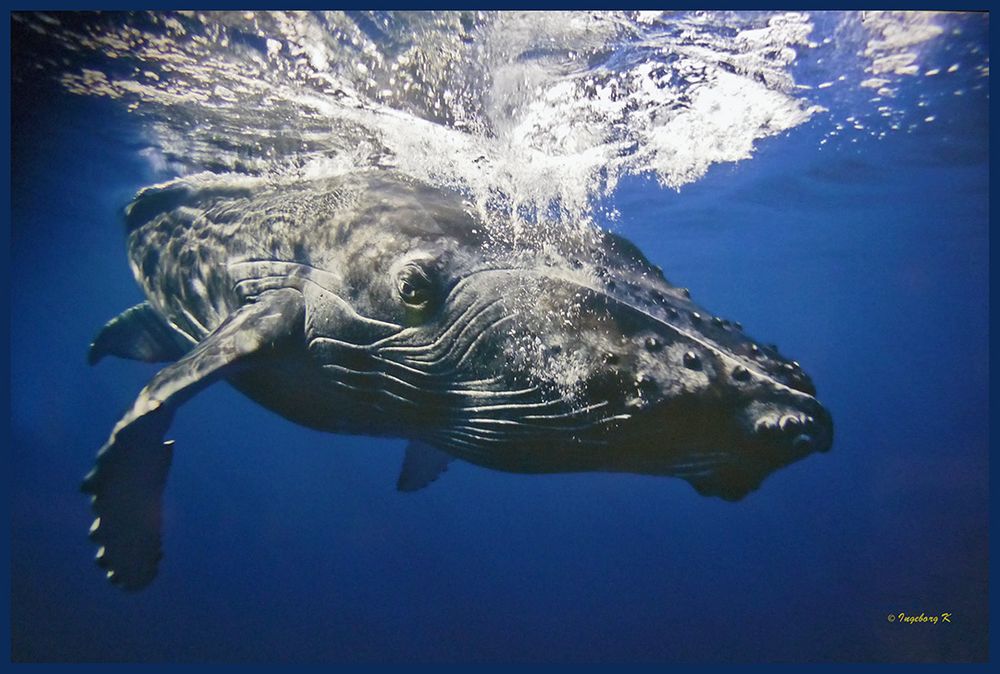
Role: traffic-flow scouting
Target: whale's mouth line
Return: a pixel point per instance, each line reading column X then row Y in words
column 684, row 334
column 732, row 361
column 617, row 302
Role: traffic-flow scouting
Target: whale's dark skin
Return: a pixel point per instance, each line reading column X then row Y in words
column 370, row 304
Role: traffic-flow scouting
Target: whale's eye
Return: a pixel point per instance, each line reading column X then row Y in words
column 414, row 286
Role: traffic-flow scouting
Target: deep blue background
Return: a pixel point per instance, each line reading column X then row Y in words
column 867, row 262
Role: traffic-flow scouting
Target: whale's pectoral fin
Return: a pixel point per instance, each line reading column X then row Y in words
column 422, row 464
column 128, row 477
column 126, row 484
column 139, row 333
column 727, row 484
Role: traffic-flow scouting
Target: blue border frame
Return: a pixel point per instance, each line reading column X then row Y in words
column 5, row 284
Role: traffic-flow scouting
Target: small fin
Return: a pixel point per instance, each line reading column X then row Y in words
column 422, row 464
column 138, row 334
column 127, row 481
column 728, row 484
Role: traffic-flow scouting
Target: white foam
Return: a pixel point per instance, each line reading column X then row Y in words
column 534, row 116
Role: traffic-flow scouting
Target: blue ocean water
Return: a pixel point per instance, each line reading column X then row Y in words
column 865, row 259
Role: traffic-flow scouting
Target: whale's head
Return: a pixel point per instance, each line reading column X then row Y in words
column 572, row 354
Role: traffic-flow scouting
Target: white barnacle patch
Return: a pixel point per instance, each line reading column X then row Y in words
column 763, row 416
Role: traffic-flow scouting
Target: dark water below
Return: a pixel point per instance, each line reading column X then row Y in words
column 867, row 262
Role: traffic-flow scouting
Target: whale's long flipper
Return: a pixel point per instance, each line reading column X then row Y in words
column 131, row 468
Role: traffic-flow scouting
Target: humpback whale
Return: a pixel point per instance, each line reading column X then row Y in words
column 374, row 304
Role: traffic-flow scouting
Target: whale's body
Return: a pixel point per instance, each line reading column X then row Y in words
column 370, row 304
